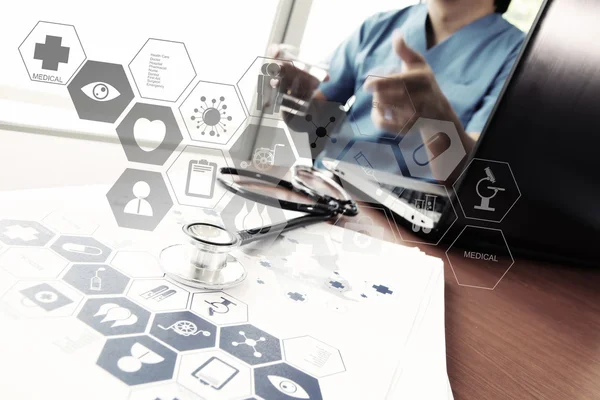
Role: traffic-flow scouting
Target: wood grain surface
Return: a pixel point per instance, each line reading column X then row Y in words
column 535, row 336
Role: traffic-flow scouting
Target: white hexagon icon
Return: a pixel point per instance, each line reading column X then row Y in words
column 432, row 149
column 52, row 53
column 313, row 356
column 212, row 112
column 162, row 70
column 24, row 262
column 219, row 308
column 193, row 176
column 158, row 294
column 137, row 264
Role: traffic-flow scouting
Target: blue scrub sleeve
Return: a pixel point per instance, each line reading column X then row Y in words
column 481, row 115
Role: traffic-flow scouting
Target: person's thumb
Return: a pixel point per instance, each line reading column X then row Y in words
column 409, row 56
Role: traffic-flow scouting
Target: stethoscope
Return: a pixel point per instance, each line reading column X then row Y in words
column 205, row 261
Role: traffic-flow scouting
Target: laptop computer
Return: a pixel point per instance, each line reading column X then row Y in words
column 542, row 135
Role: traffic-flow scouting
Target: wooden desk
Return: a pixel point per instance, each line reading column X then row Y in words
column 535, row 336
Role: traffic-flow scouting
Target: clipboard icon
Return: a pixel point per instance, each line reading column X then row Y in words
column 201, row 179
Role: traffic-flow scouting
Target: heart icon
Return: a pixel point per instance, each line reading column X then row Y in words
column 149, row 134
column 274, row 83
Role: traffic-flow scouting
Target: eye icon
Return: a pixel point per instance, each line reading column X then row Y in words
column 288, row 387
column 100, row 91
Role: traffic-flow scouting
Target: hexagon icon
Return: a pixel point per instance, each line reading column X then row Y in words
column 432, row 149
column 184, row 331
column 284, row 382
column 242, row 214
column 488, row 190
column 81, row 249
column 215, row 375
column 396, row 115
column 313, row 356
column 264, row 149
column 262, row 85
column 149, row 134
column 158, row 294
column 431, row 203
column 137, row 359
column 219, row 308
column 479, row 257
column 137, row 264
column 52, row 53
column 100, row 91
column 250, row 344
column 193, row 176
column 139, row 199
column 40, row 300
column 96, row 279
column 114, row 316
column 212, row 112
column 162, row 70
column 32, row 262
column 24, row 233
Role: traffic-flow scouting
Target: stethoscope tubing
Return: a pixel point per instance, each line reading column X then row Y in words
column 324, row 208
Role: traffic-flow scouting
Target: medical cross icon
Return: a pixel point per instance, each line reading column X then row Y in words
column 51, row 53
column 26, row 234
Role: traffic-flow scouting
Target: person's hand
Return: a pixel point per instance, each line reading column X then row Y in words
column 409, row 94
column 293, row 81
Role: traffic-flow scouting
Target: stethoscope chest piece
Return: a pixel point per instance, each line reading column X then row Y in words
column 204, row 263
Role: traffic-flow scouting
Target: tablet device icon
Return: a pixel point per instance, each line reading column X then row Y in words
column 215, row 373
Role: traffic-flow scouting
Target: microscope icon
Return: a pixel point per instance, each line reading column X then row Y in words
column 485, row 198
column 219, row 307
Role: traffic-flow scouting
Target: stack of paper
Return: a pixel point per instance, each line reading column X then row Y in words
column 324, row 313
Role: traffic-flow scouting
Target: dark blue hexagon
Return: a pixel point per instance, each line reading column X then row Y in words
column 184, row 330
column 284, row 382
column 250, row 344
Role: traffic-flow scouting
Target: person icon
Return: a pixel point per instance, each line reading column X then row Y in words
column 139, row 205
column 268, row 96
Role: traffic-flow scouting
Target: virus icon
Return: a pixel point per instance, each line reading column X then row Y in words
column 320, row 131
column 211, row 117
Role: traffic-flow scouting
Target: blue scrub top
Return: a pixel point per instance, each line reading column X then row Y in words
column 470, row 66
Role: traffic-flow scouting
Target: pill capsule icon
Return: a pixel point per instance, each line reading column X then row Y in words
column 434, row 147
column 82, row 249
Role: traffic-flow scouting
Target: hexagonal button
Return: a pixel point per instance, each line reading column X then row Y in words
column 397, row 114
column 40, row 300
column 432, row 149
column 259, row 88
column 149, row 134
column 284, row 382
column 488, row 190
column 138, row 359
column 158, row 294
column 243, row 214
column 100, row 91
column 114, row 316
column 193, row 176
column 219, row 308
column 162, row 70
column 215, row 375
column 81, row 249
column 24, row 233
column 52, row 53
column 431, row 204
column 480, row 257
column 264, row 149
column 250, row 344
column 313, row 356
column 137, row 264
column 139, row 199
column 32, row 262
column 96, row 279
column 212, row 112
column 184, row 331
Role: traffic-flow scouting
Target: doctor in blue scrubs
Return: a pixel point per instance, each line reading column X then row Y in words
column 451, row 57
